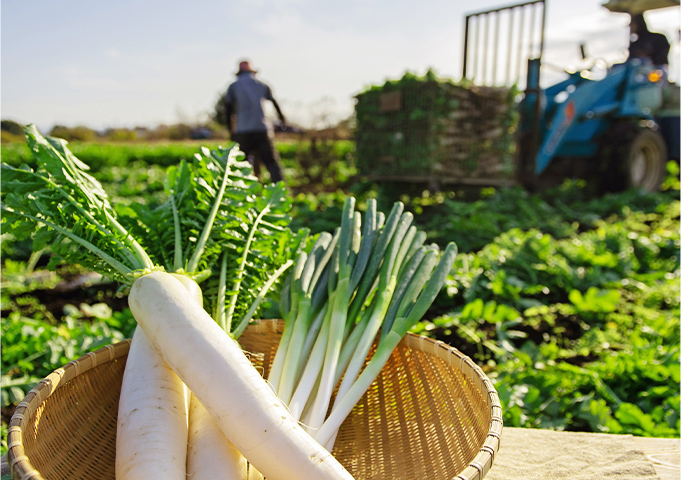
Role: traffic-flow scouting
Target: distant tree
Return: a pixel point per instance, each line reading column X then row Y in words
column 120, row 135
column 179, row 131
column 11, row 132
column 80, row 133
column 12, row 127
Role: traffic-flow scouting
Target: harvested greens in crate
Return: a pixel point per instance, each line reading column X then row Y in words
column 424, row 128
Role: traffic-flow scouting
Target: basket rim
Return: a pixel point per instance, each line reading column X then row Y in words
column 21, row 468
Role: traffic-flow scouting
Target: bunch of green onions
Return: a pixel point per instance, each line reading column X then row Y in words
column 370, row 281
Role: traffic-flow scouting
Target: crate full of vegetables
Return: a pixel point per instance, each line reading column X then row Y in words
column 423, row 128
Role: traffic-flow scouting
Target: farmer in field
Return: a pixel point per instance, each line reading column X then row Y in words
column 253, row 131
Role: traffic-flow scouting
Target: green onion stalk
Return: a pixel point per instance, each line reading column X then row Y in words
column 374, row 279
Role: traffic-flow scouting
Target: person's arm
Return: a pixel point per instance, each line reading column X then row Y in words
column 276, row 107
column 270, row 97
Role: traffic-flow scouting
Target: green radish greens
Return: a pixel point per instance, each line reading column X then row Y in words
column 213, row 206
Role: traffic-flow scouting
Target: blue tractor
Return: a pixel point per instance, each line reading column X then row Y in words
column 620, row 128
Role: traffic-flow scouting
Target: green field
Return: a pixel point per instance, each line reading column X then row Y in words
column 324, row 166
column 568, row 300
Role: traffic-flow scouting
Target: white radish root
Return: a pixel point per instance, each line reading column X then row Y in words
column 210, row 455
column 151, row 438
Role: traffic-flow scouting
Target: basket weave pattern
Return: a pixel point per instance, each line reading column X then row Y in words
column 431, row 413
column 66, row 425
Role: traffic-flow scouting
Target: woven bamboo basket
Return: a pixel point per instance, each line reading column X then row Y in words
column 431, row 413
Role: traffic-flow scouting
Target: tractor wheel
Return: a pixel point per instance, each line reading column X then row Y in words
column 646, row 160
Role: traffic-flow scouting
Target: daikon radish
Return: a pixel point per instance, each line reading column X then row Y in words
column 210, row 455
column 215, row 369
column 151, row 437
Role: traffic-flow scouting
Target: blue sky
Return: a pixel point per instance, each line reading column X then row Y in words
column 146, row 62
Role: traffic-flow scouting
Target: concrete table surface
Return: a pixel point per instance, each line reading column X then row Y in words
column 547, row 455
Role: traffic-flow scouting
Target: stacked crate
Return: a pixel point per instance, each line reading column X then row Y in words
column 426, row 128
